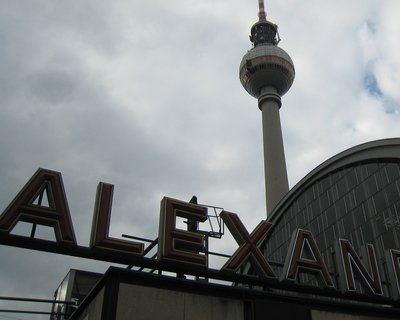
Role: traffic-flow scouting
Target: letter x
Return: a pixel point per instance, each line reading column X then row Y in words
column 248, row 245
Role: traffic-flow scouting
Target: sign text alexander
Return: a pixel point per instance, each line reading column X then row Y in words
column 182, row 247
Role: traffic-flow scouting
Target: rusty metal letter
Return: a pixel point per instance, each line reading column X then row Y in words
column 393, row 263
column 180, row 245
column 349, row 263
column 302, row 243
column 248, row 245
column 101, row 223
column 55, row 214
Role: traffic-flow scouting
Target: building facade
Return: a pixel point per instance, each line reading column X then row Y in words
column 125, row 295
column 355, row 196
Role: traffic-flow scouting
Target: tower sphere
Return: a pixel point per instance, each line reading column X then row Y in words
column 266, row 65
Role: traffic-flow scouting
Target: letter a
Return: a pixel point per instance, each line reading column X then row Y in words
column 303, row 242
column 56, row 214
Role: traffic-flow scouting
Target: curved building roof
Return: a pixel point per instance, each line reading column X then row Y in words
column 354, row 195
column 370, row 151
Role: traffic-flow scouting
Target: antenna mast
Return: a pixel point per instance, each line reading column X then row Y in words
column 261, row 11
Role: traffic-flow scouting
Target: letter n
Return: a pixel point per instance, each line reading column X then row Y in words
column 351, row 267
column 27, row 208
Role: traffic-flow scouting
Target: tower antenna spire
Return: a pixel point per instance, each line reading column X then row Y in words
column 261, row 10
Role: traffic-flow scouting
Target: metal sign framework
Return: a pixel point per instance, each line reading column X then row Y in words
column 183, row 252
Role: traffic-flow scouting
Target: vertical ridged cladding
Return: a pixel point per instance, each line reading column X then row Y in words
column 266, row 65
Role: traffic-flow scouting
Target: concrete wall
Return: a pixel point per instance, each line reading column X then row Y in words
column 94, row 309
column 143, row 303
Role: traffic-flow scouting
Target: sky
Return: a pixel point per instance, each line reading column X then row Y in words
column 146, row 95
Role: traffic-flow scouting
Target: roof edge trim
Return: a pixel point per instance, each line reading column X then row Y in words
column 378, row 149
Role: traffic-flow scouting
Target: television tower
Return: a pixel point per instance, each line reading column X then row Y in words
column 267, row 72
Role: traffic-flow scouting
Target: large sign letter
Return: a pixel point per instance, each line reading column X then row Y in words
column 248, row 245
column 180, row 245
column 350, row 265
column 393, row 263
column 101, row 223
column 303, row 255
column 28, row 208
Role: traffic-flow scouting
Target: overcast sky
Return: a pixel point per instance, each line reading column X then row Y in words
column 145, row 95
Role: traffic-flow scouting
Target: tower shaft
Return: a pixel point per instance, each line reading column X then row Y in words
column 276, row 179
column 267, row 73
